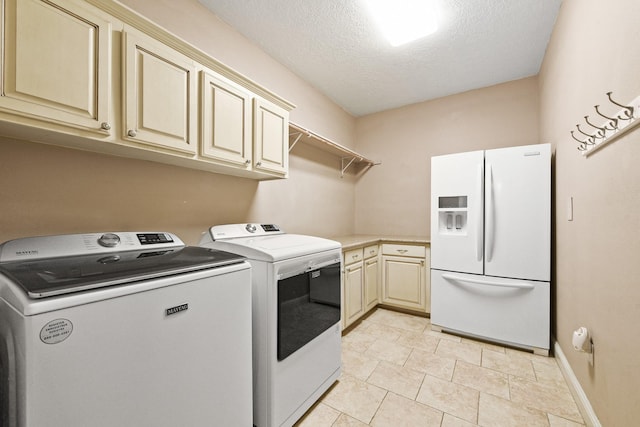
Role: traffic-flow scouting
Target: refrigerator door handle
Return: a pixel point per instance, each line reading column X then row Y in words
column 490, row 214
column 479, row 236
column 487, row 282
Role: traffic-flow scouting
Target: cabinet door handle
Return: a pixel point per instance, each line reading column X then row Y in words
column 403, row 251
column 354, row 256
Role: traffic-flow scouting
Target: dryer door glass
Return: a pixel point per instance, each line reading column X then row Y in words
column 308, row 305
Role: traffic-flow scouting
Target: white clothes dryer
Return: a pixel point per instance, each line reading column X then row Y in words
column 296, row 289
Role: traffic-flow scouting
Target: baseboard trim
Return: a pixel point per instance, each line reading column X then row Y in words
column 584, row 406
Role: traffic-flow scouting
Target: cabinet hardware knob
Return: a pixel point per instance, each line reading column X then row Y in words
column 105, row 126
column 422, row 262
column 246, row 162
column 402, row 251
column 259, row 164
column 132, row 133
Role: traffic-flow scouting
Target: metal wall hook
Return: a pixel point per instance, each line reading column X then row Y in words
column 587, row 142
column 590, row 137
column 613, row 121
column 602, row 132
column 628, row 110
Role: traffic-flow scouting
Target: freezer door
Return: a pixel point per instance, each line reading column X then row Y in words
column 518, row 212
column 509, row 311
column 457, row 212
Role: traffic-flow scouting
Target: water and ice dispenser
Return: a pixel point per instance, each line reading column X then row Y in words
column 453, row 215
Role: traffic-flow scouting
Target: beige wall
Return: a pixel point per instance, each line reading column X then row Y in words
column 49, row 190
column 594, row 49
column 393, row 198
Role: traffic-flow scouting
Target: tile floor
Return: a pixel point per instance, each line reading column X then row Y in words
column 397, row 372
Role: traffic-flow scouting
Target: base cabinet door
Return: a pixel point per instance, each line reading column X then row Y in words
column 160, row 98
column 371, row 277
column 353, row 293
column 405, row 282
column 56, row 64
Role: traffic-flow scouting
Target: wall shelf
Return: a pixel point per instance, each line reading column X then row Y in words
column 347, row 156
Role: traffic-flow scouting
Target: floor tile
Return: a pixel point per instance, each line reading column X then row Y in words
column 355, row 398
column 379, row 330
column 399, row 320
column 346, row 421
column 485, row 345
column 497, row 412
column 321, row 415
column 481, row 379
column 450, row 421
column 508, row 364
column 419, row 340
column 449, row 397
column 432, row 364
column 391, row 352
column 357, row 364
column 466, row 351
column 553, row 400
column 357, row 341
column 555, row 421
column 397, row 371
column 398, row 411
column 400, row 380
column 442, row 335
column 549, row 374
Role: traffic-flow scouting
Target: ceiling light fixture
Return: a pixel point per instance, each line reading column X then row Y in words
column 403, row 21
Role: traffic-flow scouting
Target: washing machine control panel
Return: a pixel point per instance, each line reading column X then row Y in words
column 84, row 244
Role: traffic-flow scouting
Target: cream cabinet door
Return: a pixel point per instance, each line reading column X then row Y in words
column 159, row 94
column 371, row 282
column 270, row 137
column 226, row 122
column 404, row 282
column 353, row 293
column 56, row 64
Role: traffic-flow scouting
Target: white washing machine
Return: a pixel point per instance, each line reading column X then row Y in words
column 296, row 316
column 123, row 329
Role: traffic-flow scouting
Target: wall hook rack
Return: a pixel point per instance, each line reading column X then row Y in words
column 617, row 124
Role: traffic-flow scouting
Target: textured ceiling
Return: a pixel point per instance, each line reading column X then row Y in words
column 335, row 46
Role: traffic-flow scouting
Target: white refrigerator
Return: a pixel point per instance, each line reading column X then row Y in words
column 490, row 245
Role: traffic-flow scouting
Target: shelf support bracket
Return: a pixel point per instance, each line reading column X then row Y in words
column 344, row 168
column 296, row 141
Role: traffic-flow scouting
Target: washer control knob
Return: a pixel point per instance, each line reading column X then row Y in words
column 251, row 228
column 109, row 240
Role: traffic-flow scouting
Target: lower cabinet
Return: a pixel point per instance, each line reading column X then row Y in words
column 391, row 274
column 371, row 277
column 405, row 282
column 353, row 297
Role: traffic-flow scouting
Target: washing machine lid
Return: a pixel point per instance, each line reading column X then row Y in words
column 264, row 242
column 41, row 275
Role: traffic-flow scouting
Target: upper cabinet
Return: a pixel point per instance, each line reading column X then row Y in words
column 271, row 137
column 147, row 95
column 226, row 122
column 160, row 98
column 56, row 64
